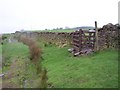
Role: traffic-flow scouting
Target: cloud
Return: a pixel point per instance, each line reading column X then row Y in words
column 41, row 14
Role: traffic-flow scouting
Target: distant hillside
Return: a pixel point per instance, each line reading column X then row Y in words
column 72, row 29
column 84, row 27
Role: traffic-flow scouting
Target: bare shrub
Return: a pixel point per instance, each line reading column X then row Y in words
column 35, row 51
column 26, row 40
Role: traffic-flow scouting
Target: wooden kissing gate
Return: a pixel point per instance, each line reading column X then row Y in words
column 83, row 42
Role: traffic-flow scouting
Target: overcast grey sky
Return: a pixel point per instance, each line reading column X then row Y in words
column 40, row 14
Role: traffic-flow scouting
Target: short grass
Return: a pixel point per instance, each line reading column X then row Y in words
column 99, row 70
column 11, row 51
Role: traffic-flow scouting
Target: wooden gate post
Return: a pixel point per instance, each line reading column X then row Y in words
column 96, row 37
column 80, row 40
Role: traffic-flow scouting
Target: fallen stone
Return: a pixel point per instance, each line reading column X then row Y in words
column 2, row 75
column 70, row 50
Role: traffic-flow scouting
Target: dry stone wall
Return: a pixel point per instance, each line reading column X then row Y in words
column 108, row 36
column 60, row 39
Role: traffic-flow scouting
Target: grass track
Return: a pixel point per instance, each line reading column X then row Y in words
column 19, row 66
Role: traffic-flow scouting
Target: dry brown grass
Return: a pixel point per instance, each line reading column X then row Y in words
column 26, row 40
column 36, row 56
column 35, row 51
column 43, row 79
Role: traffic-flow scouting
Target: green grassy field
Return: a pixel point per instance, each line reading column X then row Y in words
column 96, row 71
column 99, row 70
column 58, row 30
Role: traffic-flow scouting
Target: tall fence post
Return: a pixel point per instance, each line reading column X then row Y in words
column 96, row 37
